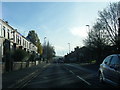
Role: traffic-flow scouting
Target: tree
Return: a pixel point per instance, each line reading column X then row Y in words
column 20, row 55
column 33, row 37
column 40, row 49
column 48, row 51
column 109, row 19
column 104, row 33
column 32, row 57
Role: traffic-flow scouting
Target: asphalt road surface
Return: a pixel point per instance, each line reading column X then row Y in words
column 66, row 76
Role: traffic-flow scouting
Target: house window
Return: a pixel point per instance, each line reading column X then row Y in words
column 20, row 40
column 23, row 42
column 14, row 37
column 4, row 31
column 29, row 45
column 8, row 34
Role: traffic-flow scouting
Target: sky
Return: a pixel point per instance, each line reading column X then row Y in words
column 60, row 22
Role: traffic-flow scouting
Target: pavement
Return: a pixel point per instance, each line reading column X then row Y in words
column 15, row 78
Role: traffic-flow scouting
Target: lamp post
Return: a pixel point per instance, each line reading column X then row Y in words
column 118, row 27
column 45, row 40
column 119, row 35
column 69, row 47
column 45, row 48
column 88, row 27
column 88, row 33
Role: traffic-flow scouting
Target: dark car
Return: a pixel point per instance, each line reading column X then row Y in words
column 109, row 70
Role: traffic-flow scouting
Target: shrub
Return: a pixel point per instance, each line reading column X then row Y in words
column 20, row 55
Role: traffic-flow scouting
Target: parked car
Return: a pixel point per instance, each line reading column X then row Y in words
column 109, row 70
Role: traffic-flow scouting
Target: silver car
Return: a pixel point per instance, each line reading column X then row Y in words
column 109, row 70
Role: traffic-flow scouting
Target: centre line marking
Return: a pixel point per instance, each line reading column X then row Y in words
column 71, row 72
column 46, row 66
column 83, row 80
column 78, row 76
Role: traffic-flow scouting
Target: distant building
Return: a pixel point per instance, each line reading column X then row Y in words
column 11, row 39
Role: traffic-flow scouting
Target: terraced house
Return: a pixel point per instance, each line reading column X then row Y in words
column 11, row 39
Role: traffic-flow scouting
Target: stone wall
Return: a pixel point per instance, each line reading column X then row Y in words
column 19, row 65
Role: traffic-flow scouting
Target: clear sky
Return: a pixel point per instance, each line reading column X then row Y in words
column 60, row 22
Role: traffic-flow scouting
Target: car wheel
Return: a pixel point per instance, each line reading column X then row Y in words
column 101, row 78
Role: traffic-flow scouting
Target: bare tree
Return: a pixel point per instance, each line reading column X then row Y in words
column 104, row 33
column 109, row 19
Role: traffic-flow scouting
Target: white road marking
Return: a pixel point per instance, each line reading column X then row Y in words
column 71, row 72
column 78, row 76
column 46, row 65
column 83, row 80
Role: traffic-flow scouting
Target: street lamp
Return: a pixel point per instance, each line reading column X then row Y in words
column 45, row 40
column 88, row 33
column 45, row 48
column 69, row 47
column 118, row 27
column 88, row 27
column 119, row 35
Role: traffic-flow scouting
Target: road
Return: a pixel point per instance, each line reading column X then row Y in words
column 66, row 76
